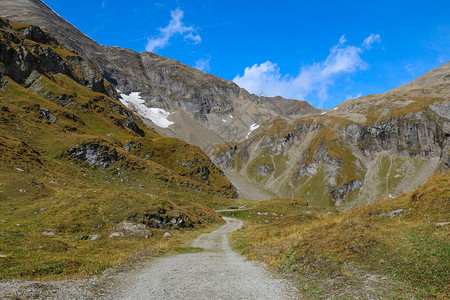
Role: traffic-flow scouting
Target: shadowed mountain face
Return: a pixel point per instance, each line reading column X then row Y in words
column 204, row 110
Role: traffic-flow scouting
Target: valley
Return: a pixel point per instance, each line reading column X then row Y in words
column 123, row 174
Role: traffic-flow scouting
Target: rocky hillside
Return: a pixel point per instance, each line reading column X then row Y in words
column 55, row 85
column 198, row 107
column 356, row 153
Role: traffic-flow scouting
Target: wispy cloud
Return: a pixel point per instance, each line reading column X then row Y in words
column 370, row 40
column 203, row 64
column 353, row 97
column 175, row 27
column 267, row 79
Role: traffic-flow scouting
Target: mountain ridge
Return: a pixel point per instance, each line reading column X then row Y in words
column 185, row 92
column 334, row 152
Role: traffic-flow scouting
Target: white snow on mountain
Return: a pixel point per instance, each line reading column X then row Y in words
column 157, row 115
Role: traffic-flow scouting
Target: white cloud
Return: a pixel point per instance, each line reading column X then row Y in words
column 353, row 97
column 370, row 40
column 267, row 79
column 203, row 64
column 193, row 37
column 175, row 27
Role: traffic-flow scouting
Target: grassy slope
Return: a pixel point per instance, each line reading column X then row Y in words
column 328, row 251
column 42, row 187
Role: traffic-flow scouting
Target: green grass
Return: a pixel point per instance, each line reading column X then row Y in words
column 184, row 250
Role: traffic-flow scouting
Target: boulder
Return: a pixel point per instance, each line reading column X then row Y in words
column 127, row 228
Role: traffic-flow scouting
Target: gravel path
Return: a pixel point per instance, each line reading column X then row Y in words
column 215, row 273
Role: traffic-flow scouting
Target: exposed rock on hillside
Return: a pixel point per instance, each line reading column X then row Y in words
column 94, row 154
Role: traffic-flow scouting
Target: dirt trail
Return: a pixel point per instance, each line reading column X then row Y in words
column 215, row 273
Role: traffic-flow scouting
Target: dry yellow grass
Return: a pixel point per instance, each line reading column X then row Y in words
column 410, row 246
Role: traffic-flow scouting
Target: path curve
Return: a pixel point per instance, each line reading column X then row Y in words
column 215, row 273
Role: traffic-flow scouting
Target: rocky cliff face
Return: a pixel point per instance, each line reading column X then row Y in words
column 205, row 110
column 42, row 53
column 354, row 153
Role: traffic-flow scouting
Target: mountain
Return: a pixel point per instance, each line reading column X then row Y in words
column 201, row 109
column 75, row 163
column 63, row 88
column 362, row 150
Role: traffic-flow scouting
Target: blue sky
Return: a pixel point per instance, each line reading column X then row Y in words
column 320, row 51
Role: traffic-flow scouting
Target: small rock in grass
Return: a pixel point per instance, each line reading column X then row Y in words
column 18, row 225
column 50, row 231
column 308, row 212
column 19, row 170
column 393, row 213
column 396, row 212
column 4, row 221
column 166, row 235
column 3, row 256
column 94, row 237
column 442, row 224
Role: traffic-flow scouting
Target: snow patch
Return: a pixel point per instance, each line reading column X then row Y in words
column 157, row 115
column 231, row 116
column 224, row 120
column 324, row 112
column 252, row 127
